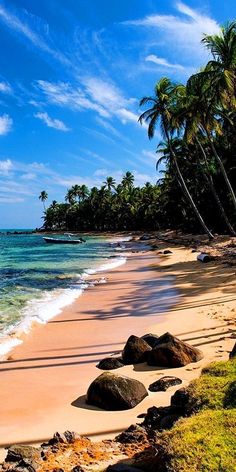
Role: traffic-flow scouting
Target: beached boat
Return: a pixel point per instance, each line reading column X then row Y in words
column 63, row 240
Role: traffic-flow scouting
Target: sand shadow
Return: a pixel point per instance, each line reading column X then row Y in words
column 144, row 367
column 80, row 402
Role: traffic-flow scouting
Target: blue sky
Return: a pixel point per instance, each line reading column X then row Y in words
column 71, row 77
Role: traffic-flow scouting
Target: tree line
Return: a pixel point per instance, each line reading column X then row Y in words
column 197, row 192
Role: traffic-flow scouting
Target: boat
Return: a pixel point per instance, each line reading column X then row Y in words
column 63, row 240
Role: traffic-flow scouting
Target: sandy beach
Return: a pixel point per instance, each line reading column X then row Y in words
column 45, row 379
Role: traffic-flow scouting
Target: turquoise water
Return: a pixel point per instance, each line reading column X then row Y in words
column 38, row 279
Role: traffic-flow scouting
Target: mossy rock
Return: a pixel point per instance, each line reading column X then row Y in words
column 215, row 388
column 204, row 442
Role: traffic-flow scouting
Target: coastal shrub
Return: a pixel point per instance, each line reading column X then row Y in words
column 215, row 388
column 203, row 442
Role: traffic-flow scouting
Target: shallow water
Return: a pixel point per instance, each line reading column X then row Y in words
column 38, row 279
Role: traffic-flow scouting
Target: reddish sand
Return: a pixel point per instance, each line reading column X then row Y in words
column 57, row 361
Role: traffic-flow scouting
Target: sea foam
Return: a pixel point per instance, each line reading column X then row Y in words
column 50, row 304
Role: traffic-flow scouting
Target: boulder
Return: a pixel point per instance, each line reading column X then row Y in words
column 164, row 383
column 115, row 392
column 180, row 399
column 167, row 251
column 150, row 338
column 233, row 352
column 170, row 351
column 135, row 350
column 110, row 363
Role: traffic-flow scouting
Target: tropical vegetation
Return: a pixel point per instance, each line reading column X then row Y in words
column 197, row 192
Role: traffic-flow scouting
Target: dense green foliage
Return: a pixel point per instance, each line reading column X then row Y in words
column 203, row 442
column 216, row 387
column 206, row 441
column 197, row 121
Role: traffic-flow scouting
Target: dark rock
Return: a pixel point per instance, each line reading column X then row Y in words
column 167, row 251
column 170, row 351
column 180, row 398
column 135, row 350
column 122, row 468
column 110, row 363
column 164, row 383
column 133, row 434
column 150, row 338
column 158, row 418
column 115, row 392
column 168, row 421
column 233, row 352
column 17, row 453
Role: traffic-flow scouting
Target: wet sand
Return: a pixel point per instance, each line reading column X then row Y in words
column 44, row 382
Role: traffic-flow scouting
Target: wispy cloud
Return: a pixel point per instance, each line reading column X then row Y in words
column 5, row 124
column 18, row 26
column 5, row 88
column 65, row 95
column 51, row 122
column 180, row 32
column 160, row 61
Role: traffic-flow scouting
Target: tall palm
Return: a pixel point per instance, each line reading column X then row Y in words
column 128, row 180
column 43, row 197
column 161, row 111
column 83, row 192
column 203, row 116
column 70, row 196
column 109, row 183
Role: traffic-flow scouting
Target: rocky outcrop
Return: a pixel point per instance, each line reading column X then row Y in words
column 115, row 392
column 163, row 417
column 164, row 383
column 135, row 350
column 170, row 351
column 110, row 363
column 150, row 338
column 26, row 458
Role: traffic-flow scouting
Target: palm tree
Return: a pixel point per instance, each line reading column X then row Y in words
column 43, row 197
column 109, row 183
column 83, row 192
column 203, row 117
column 70, row 196
column 128, row 180
column 161, row 110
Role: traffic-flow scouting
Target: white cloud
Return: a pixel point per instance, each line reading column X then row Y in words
column 6, row 166
column 183, row 31
column 51, row 122
column 5, row 88
column 5, row 124
column 160, row 61
column 64, row 94
column 105, row 93
column 127, row 115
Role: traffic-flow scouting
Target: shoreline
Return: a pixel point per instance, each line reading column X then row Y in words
column 58, row 299
column 132, row 294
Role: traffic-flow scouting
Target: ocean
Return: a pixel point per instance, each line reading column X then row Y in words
column 38, row 279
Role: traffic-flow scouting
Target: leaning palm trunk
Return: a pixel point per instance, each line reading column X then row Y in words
column 210, row 183
column 186, row 190
column 222, row 168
